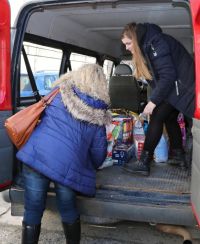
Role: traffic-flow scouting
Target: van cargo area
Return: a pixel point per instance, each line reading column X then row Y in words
column 93, row 28
column 163, row 197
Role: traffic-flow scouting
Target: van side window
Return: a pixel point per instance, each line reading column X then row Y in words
column 77, row 60
column 108, row 68
column 45, row 65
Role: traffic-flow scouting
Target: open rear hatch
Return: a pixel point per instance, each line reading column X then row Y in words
column 164, row 196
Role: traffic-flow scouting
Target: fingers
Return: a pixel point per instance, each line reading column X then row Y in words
column 148, row 110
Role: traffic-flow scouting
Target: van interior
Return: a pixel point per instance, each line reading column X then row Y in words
column 78, row 32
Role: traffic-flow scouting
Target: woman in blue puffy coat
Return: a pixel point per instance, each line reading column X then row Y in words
column 66, row 147
column 163, row 63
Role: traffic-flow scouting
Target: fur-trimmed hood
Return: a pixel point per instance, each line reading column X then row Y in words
column 83, row 106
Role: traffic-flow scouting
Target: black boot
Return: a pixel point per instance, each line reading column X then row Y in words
column 30, row 233
column 141, row 166
column 177, row 157
column 72, row 232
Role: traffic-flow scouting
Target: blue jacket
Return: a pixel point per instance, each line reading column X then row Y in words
column 66, row 147
column 172, row 68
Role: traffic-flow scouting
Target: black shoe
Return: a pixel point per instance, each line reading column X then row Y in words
column 142, row 166
column 72, row 232
column 177, row 158
column 30, row 233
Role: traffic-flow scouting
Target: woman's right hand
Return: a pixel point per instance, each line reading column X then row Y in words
column 148, row 110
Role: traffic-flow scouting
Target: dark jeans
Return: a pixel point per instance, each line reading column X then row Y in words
column 36, row 188
column 163, row 114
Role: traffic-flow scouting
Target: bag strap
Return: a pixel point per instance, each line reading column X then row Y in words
column 49, row 98
column 30, row 74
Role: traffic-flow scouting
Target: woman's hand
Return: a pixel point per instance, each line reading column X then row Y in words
column 148, row 110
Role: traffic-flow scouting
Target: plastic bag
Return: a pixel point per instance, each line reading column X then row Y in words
column 126, row 129
column 111, row 133
column 181, row 123
column 138, row 137
column 161, row 151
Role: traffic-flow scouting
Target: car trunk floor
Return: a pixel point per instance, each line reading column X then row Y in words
column 164, row 178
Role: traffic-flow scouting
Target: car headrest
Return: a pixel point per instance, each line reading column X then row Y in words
column 123, row 69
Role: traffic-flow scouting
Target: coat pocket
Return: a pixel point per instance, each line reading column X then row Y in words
column 180, row 87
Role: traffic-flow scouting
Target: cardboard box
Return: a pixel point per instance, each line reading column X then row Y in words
column 123, row 153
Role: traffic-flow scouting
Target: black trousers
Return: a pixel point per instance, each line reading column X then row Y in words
column 163, row 114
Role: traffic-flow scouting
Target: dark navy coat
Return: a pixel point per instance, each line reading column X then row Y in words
column 172, row 68
column 66, row 149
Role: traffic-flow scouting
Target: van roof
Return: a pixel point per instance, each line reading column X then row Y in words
column 97, row 25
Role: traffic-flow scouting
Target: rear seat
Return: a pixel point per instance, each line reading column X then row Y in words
column 125, row 91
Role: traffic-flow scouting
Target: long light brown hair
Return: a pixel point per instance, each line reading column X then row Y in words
column 140, row 67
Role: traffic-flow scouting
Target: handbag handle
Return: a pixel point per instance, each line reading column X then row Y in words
column 48, row 98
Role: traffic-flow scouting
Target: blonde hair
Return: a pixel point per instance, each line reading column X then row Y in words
column 90, row 79
column 141, row 70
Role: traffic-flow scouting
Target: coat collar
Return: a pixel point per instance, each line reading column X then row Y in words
column 89, row 100
column 146, row 33
column 83, row 106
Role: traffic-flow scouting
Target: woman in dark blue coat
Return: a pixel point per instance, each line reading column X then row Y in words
column 66, row 147
column 168, row 68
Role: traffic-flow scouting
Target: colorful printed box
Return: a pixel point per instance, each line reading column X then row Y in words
column 123, row 153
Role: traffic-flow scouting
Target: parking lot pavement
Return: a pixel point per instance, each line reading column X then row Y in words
column 5, row 215
column 125, row 232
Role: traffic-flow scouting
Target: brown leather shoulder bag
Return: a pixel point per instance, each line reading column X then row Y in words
column 20, row 125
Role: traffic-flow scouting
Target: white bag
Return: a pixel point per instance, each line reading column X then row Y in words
column 161, row 151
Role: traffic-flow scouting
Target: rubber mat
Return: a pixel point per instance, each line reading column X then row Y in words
column 163, row 178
